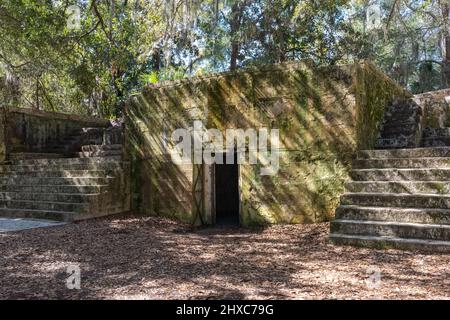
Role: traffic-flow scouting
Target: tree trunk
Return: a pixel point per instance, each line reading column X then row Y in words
column 445, row 44
column 235, row 27
column 446, row 60
column 281, row 47
column 37, row 105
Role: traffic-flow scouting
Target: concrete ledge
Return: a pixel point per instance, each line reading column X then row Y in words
column 390, row 243
column 61, row 116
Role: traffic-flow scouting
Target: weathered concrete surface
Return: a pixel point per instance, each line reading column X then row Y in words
column 64, row 189
column 436, row 109
column 402, row 126
column 419, row 121
column 9, row 225
column 400, row 199
column 29, row 130
column 323, row 113
column 39, row 180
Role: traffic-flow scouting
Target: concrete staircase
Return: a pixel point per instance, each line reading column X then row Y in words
column 399, row 195
column 436, row 137
column 398, row 198
column 87, row 138
column 402, row 126
column 59, row 186
column 90, row 151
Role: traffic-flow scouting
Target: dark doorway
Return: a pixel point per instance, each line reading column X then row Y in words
column 227, row 193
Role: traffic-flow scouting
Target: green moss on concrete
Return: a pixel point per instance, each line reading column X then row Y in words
column 373, row 92
column 441, row 188
column 323, row 114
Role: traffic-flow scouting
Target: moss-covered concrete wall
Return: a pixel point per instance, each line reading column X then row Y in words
column 323, row 115
column 27, row 130
column 436, row 107
column 372, row 90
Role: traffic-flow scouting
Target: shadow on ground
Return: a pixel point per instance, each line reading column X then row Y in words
column 133, row 257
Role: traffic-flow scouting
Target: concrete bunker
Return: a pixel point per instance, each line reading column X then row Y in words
column 323, row 114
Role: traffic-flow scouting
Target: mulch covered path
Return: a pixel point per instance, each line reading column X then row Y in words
column 133, row 257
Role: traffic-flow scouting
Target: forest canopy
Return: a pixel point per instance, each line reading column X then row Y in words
column 89, row 56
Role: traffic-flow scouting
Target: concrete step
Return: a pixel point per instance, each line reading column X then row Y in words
column 390, row 243
column 33, row 155
column 92, row 154
column 66, row 189
column 435, row 162
column 392, row 229
column 49, row 197
column 436, row 174
column 401, row 116
column 53, row 189
column 66, row 161
column 436, row 132
column 105, row 147
column 61, row 174
column 396, row 143
column 411, row 215
column 405, row 153
column 401, row 126
column 411, row 187
column 436, row 142
column 38, row 214
column 402, row 108
column 45, row 206
column 397, row 200
column 56, row 181
column 405, row 128
column 106, row 165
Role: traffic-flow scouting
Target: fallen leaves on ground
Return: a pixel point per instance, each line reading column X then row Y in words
column 133, row 257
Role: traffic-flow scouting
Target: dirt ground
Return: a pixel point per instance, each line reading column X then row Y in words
column 133, row 257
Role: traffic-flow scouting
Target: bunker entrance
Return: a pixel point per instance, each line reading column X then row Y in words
column 227, row 192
